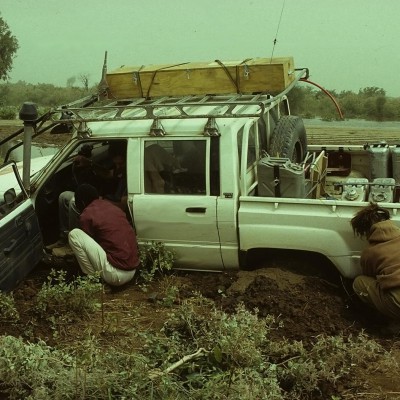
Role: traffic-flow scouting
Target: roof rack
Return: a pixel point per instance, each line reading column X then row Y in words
column 194, row 106
column 169, row 108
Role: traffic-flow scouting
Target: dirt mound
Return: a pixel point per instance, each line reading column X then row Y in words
column 306, row 305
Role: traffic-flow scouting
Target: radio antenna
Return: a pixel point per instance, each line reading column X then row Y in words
column 277, row 30
column 103, row 86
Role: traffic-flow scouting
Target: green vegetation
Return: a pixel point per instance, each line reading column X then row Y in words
column 77, row 344
column 8, row 310
column 59, row 297
column 155, row 259
column 43, row 94
column 8, row 48
column 200, row 352
column 370, row 103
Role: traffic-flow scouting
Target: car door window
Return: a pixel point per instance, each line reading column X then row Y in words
column 11, row 190
column 175, row 166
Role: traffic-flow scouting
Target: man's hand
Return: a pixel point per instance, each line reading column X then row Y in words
column 82, row 161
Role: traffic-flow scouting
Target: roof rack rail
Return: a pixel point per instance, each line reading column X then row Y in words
column 170, row 108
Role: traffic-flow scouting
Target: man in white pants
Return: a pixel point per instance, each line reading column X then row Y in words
column 106, row 242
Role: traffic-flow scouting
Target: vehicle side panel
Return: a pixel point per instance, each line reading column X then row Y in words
column 20, row 245
column 300, row 224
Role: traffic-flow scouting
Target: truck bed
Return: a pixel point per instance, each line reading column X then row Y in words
column 319, row 220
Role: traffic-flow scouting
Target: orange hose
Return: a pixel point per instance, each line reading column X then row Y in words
column 327, row 93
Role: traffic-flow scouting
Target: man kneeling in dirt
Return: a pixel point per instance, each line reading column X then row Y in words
column 106, row 242
column 379, row 286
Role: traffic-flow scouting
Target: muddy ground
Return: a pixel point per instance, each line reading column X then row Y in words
column 308, row 303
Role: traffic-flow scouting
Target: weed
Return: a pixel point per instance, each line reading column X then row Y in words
column 238, row 361
column 60, row 302
column 155, row 259
column 8, row 311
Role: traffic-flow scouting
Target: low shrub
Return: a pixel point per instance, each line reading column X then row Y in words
column 155, row 260
column 8, row 112
column 8, row 310
column 67, row 300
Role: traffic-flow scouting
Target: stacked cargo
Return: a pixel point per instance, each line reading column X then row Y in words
column 253, row 75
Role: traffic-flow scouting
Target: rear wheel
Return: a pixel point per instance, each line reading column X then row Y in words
column 289, row 139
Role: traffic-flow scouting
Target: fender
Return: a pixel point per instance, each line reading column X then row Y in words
column 299, row 225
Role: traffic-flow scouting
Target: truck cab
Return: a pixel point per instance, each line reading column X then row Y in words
column 187, row 161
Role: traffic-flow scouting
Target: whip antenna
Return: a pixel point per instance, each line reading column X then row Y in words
column 277, row 30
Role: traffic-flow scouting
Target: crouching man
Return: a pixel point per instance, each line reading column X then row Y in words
column 379, row 285
column 106, row 242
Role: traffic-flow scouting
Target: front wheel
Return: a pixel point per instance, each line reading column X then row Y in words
column 289, row 139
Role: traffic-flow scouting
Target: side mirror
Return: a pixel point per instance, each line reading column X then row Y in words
column 10, row 196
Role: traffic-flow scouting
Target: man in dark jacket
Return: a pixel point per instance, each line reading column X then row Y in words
column 106, row 242
column 379, row 286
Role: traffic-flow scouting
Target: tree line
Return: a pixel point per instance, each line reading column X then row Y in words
column 44, row 95
column 369, row 103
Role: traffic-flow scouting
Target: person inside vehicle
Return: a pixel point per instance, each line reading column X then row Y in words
column 158, row 163
column 192, row 160
column 110, row 182
column 379, row 284
column 106, row 243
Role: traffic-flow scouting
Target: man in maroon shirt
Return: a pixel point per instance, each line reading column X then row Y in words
column 106, row 242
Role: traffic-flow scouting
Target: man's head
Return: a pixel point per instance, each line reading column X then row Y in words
column 84, row 195
column 364, row 219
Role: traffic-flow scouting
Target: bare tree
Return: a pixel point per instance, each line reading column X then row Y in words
column 71, row 81
column 84, row 78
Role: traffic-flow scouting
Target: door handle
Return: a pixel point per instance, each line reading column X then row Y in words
column 10, row 248
column 197, row 210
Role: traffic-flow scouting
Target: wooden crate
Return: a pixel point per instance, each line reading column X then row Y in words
column 201, row 78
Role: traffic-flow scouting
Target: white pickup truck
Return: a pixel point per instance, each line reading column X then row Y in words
column 243, row 183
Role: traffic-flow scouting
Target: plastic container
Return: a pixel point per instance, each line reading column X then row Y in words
column 279, row 177
column 355, row 189
column 396, row 163
column 382, row 190
column 379, row 160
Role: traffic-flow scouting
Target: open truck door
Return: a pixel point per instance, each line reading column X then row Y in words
column 21, row 245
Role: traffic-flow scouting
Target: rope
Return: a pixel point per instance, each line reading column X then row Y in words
column 277, row 30
column 139, row 81
column 154, row 75
column 229, row 75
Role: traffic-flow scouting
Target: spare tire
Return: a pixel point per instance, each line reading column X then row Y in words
column 289, row 139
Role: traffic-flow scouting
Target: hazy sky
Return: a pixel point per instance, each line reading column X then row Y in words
column 346, row 44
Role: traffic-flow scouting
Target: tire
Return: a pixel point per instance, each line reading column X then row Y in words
column 289, row 139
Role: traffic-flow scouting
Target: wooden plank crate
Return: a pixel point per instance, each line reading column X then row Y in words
column 254, row 75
